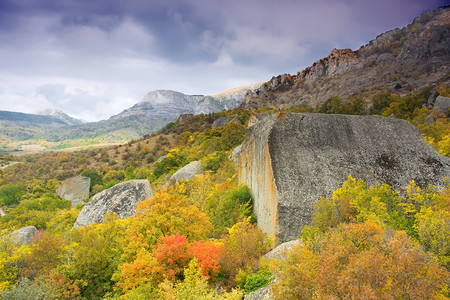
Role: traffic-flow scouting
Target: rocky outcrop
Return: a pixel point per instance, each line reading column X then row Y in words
column 223, row 121
column 443, row 104
column 282, row 250
column 75, row 189
column 184, row 118
column 414, row 57
column 278, row 253
column 262, row 293
column 290, row 160
column 121, row 199
column 187, row 172
column 23, row 235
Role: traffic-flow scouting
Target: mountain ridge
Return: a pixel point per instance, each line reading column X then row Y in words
column 400, row 60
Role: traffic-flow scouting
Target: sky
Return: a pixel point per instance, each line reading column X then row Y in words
column 94, row 58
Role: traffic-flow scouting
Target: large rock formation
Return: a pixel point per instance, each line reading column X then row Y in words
column 289, row 161
column 75, row 189
column 121, row 199
column 23, row 235
column 443, row 104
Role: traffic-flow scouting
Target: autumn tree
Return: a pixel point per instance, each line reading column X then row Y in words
column 244, row 245
column 44, row 255
column 360, row 261
column 163, row 215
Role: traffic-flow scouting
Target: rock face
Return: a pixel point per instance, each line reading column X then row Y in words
column 443, row 104
column 290, row 160
column 75, row 189
column 23, row 235
column 417, row 56
column 167, row 104
column 121, row 199
column 187, row 172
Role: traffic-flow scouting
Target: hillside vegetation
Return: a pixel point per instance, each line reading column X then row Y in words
column 197, row 238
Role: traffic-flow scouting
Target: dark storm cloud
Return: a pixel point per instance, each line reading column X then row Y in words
column 110, row 52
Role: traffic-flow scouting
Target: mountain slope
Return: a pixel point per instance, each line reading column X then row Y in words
column 399, row 61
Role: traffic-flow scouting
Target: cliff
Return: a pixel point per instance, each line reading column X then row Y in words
column 398, row 61
column 289, row 161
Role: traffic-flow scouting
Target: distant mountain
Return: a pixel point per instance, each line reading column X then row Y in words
column 398, row 61
column 60, row 115
column 31, row 118
column 55, row 129
column 167, row 104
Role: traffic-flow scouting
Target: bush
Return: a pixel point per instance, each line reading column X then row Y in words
column 10, row 194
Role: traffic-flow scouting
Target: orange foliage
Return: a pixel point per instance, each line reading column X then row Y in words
column 207, row 255
column 361, row 261
column 172, row 255
column 163, row 215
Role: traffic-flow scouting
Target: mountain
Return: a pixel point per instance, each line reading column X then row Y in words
column 22, row 126
column 60, row 115
column 53, row 129
column 31, row 118
column 167, row 104
column 398, row 61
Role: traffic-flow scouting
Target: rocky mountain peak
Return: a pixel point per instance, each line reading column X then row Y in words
column 169, row 105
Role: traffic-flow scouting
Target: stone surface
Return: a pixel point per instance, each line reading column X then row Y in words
column 121, row 199
column 75, row 189
column 234, row 156
column 290, row 160
column 187, row 172
column 278, row 253
column 443, row 104
column 281, row 250
column 23, row 235
column 262, row 293
column 223, row 121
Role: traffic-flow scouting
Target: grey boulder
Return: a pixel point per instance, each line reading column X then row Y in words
column 121, row 199
column 75, row 189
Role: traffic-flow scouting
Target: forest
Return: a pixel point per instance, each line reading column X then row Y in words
column 198, row 239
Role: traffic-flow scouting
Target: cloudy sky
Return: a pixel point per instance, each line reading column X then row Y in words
column 94, row 58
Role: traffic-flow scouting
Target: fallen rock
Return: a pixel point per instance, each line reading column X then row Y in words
column 290, row 160
column 187, row 172
column 75, row 189
column 280, row 253
column 121, row 199
column 23, row 235
column 281, row 250
column 443, row 104
column 223, row 121
column 263, row 293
